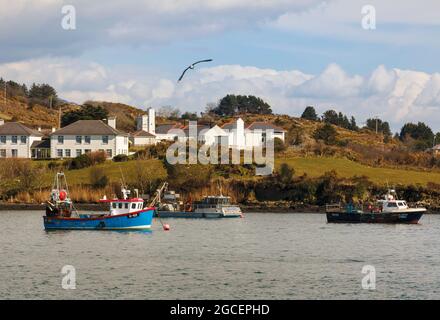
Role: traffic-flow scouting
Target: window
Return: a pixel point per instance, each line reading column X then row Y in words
column 78, row 139
column 2, row 153
column 78, row 152
column 109, row 153
column 133, row 205
column 120, row 205
column 14, row 153
column 114, row 205
column 67, row 151
column 14, row 139
column 87, row 151
column 392, row 205
column 59, row 153
column 87, row 139
column 104, row 139
column 60, row 139
column 263, row 137
column 126, row 205
column 23, row 139
column 2, row 139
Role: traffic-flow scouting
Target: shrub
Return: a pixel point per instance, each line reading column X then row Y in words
column 120, row 158
column 326, row 133
column 286, row 173
column 98, row 179
column 279, row 145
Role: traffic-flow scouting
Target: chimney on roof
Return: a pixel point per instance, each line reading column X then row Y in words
column 2, row 122
column 111, row 121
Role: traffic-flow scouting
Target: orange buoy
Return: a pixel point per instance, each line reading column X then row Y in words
column 166, row 227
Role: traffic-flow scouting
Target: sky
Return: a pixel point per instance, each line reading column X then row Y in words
column 292, row 53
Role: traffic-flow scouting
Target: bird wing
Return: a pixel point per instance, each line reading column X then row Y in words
column 192, row 66
column 183, row 73
column 206, row 60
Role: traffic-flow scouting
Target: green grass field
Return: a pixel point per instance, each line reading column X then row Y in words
column 130, row 170
column 315, row 166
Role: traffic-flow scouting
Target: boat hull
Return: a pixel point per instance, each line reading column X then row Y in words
column 195, row 215
column 389, row 217
column 139, row 220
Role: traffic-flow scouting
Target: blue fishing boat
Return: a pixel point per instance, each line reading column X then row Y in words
column 124, row 214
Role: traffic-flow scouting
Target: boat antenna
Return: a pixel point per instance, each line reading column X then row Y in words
column 220, row 188
column 122, row 177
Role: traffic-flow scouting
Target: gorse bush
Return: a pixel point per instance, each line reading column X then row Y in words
column 86, row 160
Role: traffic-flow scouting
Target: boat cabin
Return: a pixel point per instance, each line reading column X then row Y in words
column 125, row 205
column 213, row 202
column 391, row 203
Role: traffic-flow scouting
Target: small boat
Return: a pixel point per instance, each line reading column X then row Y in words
column 124, row 214
column 387, row 210
column 169, row 206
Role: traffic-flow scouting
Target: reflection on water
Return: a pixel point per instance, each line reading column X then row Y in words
column 264, row 256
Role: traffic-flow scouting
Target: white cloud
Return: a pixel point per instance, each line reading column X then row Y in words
column 32, row 28
column 400, row 22
column 397, row 95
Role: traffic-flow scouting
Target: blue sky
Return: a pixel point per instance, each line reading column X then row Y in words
column 291, row 53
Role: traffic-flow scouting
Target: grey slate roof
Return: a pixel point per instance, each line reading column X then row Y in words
column 16, row 128
column 143, row 133
column 264, row 126
column 88, row 127
column 164, row 128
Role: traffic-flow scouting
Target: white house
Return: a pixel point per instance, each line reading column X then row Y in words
column 256, row 133
column 251, row 136
column 207, row 135
column 85, row 136
column 167, row 132
column 146, row 129
column 16, row 140
column 142, row 138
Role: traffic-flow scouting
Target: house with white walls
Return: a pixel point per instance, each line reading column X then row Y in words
column 167, row 132
column 84, row 136
column 253, row 135
column 206, row 134
column 146, row 129
column 16, row 140
column 256, row 133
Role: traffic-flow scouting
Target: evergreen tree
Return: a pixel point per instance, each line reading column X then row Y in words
column 309, row 114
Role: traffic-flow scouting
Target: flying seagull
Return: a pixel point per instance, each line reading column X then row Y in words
column 192, row 67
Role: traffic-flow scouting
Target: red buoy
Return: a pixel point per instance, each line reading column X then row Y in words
column 166, row 227
column 63, row 195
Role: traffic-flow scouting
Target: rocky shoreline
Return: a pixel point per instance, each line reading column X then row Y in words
column 273, row 207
